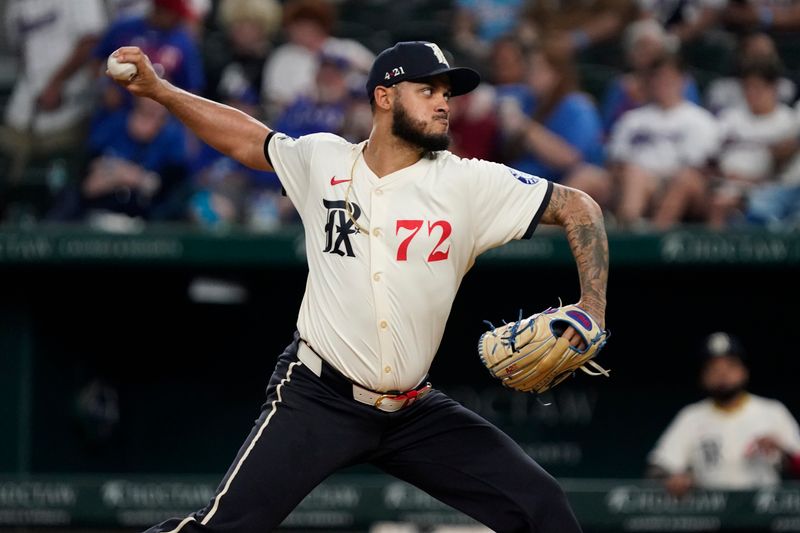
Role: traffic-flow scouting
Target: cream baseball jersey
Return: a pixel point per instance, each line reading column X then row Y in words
column 376, row 302
column 718, row 446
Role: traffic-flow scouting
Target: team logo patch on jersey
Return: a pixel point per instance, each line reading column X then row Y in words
column 527, row 179
column 339, row 226
column 581, row 318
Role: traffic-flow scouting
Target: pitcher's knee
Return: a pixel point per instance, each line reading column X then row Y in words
column 548, row 510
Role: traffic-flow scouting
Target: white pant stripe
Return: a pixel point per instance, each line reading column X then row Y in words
column 183, row 523
column 249, row 448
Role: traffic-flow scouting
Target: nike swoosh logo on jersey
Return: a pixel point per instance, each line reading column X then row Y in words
column 334, row 181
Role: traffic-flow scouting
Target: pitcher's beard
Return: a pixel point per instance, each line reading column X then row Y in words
column 412, row 131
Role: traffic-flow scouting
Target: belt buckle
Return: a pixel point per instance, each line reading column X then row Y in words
column 382, row 397
column 407, row 397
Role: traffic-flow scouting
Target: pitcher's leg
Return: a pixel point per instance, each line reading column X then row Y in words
column 463, row 460
column 300, row 438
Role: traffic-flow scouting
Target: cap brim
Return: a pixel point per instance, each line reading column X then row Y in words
column 462, row 79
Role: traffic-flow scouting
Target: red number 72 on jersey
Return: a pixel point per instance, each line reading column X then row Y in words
column 414, row 226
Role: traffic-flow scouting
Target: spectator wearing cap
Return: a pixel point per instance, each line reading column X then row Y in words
column 732, row 440
column 291, row 69
column 325, row 108
column 164, row 36
column 235, row 57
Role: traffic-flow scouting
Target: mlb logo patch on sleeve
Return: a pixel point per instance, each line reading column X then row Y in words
column 527, row 179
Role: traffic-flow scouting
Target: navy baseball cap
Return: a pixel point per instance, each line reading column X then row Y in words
column 413, row 60
column 721, row 344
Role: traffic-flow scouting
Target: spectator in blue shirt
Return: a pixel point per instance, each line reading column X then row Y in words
column 326, row 108
column 165, row 38
column 562, row 137
column 137, row 167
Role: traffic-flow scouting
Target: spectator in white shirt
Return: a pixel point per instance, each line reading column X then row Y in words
column 660, row 152
column 52, row 94
column 752, row 137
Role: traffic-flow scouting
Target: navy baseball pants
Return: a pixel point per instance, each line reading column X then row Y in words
column 309, row 428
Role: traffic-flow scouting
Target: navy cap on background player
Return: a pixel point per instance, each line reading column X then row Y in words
column 414, row 60
column 721, row 344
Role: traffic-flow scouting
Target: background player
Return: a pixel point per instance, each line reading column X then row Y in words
column 733, row 440
column 392, row 225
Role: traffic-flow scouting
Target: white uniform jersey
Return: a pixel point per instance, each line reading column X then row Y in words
column 790, row 175
column 376, row 304
column 747, row 139
column 718, row 446
column 664, row 141
column 47, row 31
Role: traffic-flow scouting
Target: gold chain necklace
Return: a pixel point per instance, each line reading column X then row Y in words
column 347, row 206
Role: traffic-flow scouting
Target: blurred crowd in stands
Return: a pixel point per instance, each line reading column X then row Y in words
column 666, row 111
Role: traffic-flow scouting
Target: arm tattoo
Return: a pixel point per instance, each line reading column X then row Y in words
column 582, row 220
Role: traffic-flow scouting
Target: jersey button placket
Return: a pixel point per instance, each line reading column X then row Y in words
column 378, row 263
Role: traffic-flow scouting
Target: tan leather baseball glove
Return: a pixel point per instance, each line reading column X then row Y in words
column 530, row 355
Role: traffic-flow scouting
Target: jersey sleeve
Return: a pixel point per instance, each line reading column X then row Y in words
column 672, row 451
column 291, row 159
column 506, row 204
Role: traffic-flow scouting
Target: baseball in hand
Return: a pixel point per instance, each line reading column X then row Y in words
column 121, row 71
